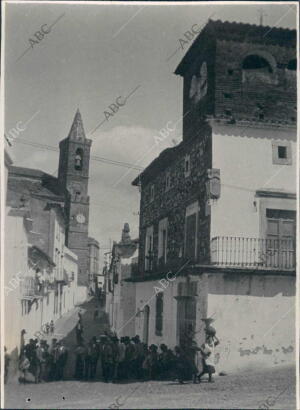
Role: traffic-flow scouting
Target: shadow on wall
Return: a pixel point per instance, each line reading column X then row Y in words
column 251, row 285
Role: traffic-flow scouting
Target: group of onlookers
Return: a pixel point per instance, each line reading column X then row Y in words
column 44, row 362
column 128, row 358
column 112, row 359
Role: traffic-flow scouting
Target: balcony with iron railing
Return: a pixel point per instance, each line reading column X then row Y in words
column 253, row 252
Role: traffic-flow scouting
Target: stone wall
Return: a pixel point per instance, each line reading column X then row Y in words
column 274, row 95
column 173, row 202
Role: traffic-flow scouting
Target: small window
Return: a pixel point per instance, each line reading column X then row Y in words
column 281, row 153
column 261, row 116
column 149, row 249
column 168, row 181
column 159, row 314
column 78, row 159
column 258, row 68
column 230, row 71
column 227, row 95
column 228, row 112
column 162, row 241
column 191, row 231
column 151, row 193
column 187, row 166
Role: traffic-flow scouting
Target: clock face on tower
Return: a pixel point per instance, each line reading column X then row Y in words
column 80, row 218
column 198, row 87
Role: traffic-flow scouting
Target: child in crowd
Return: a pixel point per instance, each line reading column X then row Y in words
column 208, row 352
column 24, row 367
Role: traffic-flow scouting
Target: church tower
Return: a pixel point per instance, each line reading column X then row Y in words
column 73, row 175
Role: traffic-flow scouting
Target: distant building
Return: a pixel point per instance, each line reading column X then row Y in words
column 69, row 191
column 120, row 294
column 218, row 211
column 73, row 177
column 17, row 225
column 46, row 249
column 93, row 246
column 100, row 281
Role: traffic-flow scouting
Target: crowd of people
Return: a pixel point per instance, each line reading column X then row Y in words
column 44, row 362
column 111, row 359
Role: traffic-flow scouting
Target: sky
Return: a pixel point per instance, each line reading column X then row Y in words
column 94, row 54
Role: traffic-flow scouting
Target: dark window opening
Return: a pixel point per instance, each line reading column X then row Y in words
column 230, row 71
column 255, row 62
column 227, row 95
column 78, row 159
column 292, row 65
column 261, row 116
column 280, row 213
column 282, row 152
column 228, row 112
column 159, row 314
column 190, row 236
column 293, row 119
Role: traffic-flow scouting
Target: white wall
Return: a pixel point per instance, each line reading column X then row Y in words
column 15, row 268
column 146, row 295
column 70, row 293
column 254, row 318
column 244, row 157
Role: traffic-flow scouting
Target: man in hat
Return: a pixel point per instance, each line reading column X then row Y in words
column 79, row 332
column 129, row 357
column 107, row 359
column 52, row 360
column 41, row 357
column 62, row 357
column 94, row 354
column 122, row 349
column 138, row 357
column 80, row 353
column 164, row 362
column 115, row 345
column 151, row 363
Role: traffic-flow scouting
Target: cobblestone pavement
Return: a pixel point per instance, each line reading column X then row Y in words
column 248, row 390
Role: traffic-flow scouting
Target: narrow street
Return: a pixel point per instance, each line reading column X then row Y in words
column 242, row 391
column 245, row 390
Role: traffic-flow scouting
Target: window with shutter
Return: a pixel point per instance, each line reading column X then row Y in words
column 149, row 249
column 162, row 241
column 159, row 314
column 281, row 237
column 190, row 236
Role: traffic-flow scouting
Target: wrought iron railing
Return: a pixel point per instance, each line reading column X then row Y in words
column 253, row 252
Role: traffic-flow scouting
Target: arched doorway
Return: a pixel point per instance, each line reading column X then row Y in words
column 146, row 324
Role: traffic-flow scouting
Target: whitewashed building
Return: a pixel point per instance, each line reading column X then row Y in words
column 218, row 211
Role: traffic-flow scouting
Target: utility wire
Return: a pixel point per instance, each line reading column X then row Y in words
column 93, row 157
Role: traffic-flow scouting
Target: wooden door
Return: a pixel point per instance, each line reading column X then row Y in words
column 281, row 235
column 186, row 317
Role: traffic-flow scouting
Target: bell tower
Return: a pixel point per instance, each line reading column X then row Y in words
column 73, row 175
